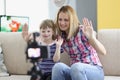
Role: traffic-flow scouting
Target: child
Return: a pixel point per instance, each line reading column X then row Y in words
column 48, row 38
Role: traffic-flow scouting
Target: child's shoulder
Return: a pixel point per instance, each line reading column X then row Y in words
column 52, row 44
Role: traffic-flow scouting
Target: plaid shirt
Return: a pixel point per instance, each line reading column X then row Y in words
column 80, row 50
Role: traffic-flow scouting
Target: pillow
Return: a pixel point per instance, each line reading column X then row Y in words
column 3, row 69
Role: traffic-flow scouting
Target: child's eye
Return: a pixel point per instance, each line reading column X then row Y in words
column 43, row 31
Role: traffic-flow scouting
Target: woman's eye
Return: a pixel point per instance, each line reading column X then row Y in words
column 48, row 31
column 66, row 20
column 59, row 19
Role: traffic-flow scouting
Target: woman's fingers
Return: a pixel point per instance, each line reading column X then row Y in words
column 86, row 22
column 90, row 23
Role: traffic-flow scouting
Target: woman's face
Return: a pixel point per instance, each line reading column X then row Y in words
column 46, row 33
column 63, row 21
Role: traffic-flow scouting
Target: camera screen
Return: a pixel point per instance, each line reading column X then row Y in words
column 34, row 52
column 40, row 52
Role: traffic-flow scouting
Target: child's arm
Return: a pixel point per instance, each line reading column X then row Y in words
column 56, row 56
column 25, row 34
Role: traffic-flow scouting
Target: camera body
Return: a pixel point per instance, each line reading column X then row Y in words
column 33, row 54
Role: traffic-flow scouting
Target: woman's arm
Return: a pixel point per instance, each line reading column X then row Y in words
column 89, row 33
column 97, row 45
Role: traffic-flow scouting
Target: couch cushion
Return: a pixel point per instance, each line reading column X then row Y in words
column 14, row 52
column 112, row 78
column 3, row 69
column 111, row 40
column 65, row 58
column 16, row 77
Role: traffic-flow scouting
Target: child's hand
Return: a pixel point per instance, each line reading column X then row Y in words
column 59, row 40
column 25, row 33
column 25, row 29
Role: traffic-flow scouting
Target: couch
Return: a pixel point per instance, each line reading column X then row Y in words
column 111, row 40
column 14, row 47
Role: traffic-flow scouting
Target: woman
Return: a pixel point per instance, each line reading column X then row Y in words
column 81, row 45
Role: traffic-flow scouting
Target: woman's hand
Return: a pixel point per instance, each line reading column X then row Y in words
column 89, row 33
column 88, row 28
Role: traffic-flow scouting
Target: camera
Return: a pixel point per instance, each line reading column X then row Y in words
column 34, row 52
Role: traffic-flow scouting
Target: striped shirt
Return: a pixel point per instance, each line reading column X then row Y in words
column 80, row 50
column 46, row 64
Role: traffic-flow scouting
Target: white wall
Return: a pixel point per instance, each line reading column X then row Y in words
column 36, row 10
column 2, row 7
column 53, row 8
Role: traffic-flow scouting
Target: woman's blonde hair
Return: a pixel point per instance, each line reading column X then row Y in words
column 48, row 23
column 74, row 21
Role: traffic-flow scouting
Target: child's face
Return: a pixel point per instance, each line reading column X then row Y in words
column 47, row 33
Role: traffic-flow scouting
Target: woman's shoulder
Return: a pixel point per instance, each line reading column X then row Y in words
column 80, row 28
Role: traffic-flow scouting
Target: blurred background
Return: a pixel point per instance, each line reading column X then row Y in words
column 103, row 13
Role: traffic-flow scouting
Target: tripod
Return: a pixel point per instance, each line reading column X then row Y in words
column 35, row 71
